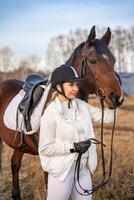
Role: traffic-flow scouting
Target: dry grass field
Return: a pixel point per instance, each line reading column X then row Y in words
column 121, row 185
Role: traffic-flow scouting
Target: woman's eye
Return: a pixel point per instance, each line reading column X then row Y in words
column 93, row 61
column 70, row 84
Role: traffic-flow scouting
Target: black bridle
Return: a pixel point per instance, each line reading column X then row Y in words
column 86, row 70
column 101, row 96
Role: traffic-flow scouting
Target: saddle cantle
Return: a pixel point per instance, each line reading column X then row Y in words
column 32, row 80
column 32, row 97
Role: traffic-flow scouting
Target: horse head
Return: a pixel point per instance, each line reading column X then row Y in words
column 95, row 63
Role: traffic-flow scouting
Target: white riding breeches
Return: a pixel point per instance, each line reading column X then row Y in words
column 58, row 190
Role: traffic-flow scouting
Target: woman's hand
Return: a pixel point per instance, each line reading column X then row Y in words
column 82, row 147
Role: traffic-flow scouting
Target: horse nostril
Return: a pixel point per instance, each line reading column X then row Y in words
column 116, row 100
column 112, row 94
column 114, row 97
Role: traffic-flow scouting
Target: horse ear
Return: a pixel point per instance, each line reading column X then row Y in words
column 91, row 36
column 107, row 36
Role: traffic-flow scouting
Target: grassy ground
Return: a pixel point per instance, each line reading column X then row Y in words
column 121, row 185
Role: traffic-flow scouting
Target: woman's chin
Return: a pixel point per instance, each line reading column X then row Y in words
column 73, row 96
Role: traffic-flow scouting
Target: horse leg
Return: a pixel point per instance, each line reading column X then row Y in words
column 46, row 179
column 15, row 166
column 1, row 155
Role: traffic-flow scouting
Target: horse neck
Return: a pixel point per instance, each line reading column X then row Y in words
column 76, row 58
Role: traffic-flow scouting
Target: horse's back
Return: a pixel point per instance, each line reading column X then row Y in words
column 8, row 89
column 11, row 84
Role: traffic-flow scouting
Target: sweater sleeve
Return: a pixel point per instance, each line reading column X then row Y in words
column 47, row 145
column 96, row 114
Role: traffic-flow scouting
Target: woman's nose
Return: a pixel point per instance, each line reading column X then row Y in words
column 75, row 88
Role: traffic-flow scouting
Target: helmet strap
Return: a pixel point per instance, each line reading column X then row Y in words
column 62, row 92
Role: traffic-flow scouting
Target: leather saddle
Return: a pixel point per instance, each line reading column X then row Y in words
column 32, row 97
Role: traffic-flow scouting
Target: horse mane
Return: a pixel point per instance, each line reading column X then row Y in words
column 97, row 45
column 76, row 51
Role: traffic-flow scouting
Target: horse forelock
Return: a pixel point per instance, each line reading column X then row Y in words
column 103, row 50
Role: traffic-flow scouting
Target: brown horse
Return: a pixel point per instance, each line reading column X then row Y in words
column 95, row 63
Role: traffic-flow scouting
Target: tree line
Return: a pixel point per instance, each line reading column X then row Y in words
column 60, row 48
column 121, row 45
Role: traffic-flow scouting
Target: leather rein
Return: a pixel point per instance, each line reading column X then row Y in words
column 105, row 179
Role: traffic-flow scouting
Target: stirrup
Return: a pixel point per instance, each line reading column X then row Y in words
column 22, row 145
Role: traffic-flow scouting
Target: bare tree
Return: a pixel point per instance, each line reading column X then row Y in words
column 60, row 48
column 122, row 46
column 6, row 59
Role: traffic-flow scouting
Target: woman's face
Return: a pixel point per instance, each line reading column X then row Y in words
column 71, row 89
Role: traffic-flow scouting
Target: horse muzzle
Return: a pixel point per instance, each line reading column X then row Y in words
column 112, row 100
column 116, row 101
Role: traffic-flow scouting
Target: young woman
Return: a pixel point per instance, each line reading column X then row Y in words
column 66, row 126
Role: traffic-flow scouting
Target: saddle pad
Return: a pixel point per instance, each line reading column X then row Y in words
column 10, row 114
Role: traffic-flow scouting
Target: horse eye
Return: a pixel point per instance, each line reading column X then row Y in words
column 93, row 61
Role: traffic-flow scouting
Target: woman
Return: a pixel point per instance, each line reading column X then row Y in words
column 66, row 126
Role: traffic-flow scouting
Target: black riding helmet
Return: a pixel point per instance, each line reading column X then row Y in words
column 62, row 74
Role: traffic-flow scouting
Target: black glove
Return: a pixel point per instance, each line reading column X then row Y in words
column 82, row 147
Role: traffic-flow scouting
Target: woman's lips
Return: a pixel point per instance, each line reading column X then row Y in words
column 74, row 94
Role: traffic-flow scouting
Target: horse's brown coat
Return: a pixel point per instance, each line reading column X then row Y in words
column 100, row 63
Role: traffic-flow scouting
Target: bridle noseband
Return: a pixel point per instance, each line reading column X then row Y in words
column 101, row 96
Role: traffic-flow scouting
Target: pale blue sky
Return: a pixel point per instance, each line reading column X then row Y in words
column 27, row 25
